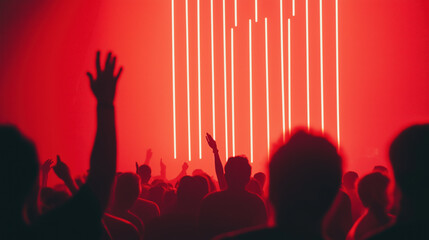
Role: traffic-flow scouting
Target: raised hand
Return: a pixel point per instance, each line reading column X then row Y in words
column 62, row 170
column 185, row 166
column 104, row 84
column 46, row 166
column 211, row 142
column 162, row 165
column 148, row 154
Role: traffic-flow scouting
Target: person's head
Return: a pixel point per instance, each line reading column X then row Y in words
column 127, row 190
column 237, row 172
column 349, row 180
column 191, row 191
column 372, row 190
column 21, row 167
column 254, row 187
column 261, row 178
column 304, row 178
column 380, row 169
column 409, row 156
column 145, row 173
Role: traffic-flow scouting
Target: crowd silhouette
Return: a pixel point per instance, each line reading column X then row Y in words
column 307, row 194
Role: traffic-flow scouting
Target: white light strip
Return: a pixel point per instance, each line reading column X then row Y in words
column 256, row 10
column 173, row 78
column 289, row 77
column 235, row 13
column 282, row 72
column 307, row 64
column 199, row 82
column 267, row 87
column 224, row 83
column 232, row 93
column 251, row 90
column 322, row 103
column 293, row 7
column 213, row 79
column 337, row 73
column 187, row 83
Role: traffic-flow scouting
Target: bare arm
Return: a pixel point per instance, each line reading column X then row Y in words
column 103, row 156
column 218, row 164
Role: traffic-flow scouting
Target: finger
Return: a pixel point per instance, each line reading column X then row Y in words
column 119, row 74
column 112, row 67
column 109, row 56
column 58, row 159
column 97, row 63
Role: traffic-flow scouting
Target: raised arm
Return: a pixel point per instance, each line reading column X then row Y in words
column 148, row 157
column 46, row 167
column 103, row 156
column 63, row 172
column 218, row 164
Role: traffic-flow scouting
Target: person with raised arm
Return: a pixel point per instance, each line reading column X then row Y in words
column 218, row 164
column 80, row 217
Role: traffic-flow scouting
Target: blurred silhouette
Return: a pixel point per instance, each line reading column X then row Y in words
column 409, row 155
column 181, row 222
column 372, row 191
column 305, row 176
column 80, row 216
column 233, row 208
column 349, row 186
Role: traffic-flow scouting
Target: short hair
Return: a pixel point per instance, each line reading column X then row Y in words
column 145, row 173
column 19, row 158
column 350, row 178
column 305, row 176
column 372, row 190
column 127, row 190
column 237, row 171
column 409, row 156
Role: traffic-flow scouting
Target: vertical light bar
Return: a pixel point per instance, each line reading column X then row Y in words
column 187, row 83
column 232, row 93
column 307, row 64
column 283, row 72
column 267, row 87
column 235, row 13
column 337, row 73
column 256, row 10
column 224, row 81
column 199, row 81
column 251, row 90
column 289, row 77
column 173, row 78
column 213, row 80
column 322, row 103
column 293, row 7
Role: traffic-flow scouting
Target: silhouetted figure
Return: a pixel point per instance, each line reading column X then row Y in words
column 380, row 169
column 349, row 186
column 146, row 210
column 126, row 192
column 409, row 156
column 233, row 208
column 145, row 174
column 338, row 220
column 372, row 191
column 181, row 222
column 79, row 217
column 254, row 187
column 304, row 178
column 261, row 178
column 120, row 228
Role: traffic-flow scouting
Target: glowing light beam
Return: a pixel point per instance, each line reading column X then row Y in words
column 173, row 79
column 322, row 103
column 307, row 64
column 199, row 80
column 267, row 87
column 256, row 10
column 232, row 93
column 250, row 90
column 282, row 72
column 224, row 82
column 289, row 77
column 235, row 13
column 213, row 79
column 293, row 7
column 337, row 81
column 187, row 82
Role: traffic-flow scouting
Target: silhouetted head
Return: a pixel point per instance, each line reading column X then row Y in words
column 237, row 172
column 349, row 180
column 20, row 170
column 380, row 169
column 127, row 191
column 145, row 173
column 191, row 191
column 409, row 156
column 372, row 190
column 305, row 175
column 261, row 178
column 254, row 187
